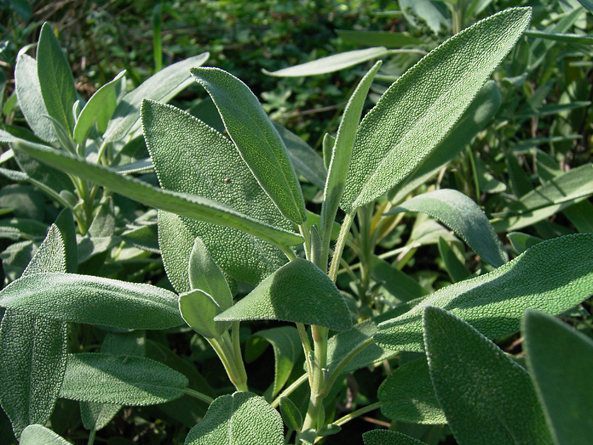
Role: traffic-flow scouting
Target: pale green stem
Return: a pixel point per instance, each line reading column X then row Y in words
column 306, row 345
column 317, row 377
column 198, row 395
column 305, row 233
column 288, row 252
column 289, row 390
column 92, row 437
column 102, row 152
column 237, row 351
column 474, row 173
column 359, row 412
column 224, row 350
column 339, row 248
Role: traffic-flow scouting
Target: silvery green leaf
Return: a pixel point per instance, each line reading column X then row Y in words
column 552, row 276
column 386, row 437
column 162, row 87
column 486, row 396
column 198, row 309
column 88, row 299
column 238, row 419
column 299, row 292
column 521, row 241
column 206, row 276
column 420, row 108
column 176, row 243
column 40, row 435
column 463, row 215
column 290, row 414
column 132, row 381
column 258, row 142
column 560, row 360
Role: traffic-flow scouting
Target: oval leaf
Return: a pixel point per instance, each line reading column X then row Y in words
column 205, row 275
column 198, row 309
column 40, row 435
column 299, row 292
column 487, row 397
column 418, row 110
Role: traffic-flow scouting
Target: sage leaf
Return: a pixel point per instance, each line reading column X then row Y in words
column 40, row 435
column 331, row 63
column 131, row 381
column 205, row 275
column 192, row 158
column 587, row 4
column 486, row 396
column 454, row 265
column 258, row 142
column 424, row 10
column 552, row 276
column 180, row 203
column 198, row 309
column 521, row 241
column 238, row 419
column 464, row 217
column 386, row 437
column 560, row 359
column 409, row 395
column 299, row 292
column 290, row 414
column 33, row 349
column 88, row 299
column 397, row 283
column 65, row 222
column 55, row 79
column 424, row 104
column 287, row 347
column 560, row 37
column 162, row 87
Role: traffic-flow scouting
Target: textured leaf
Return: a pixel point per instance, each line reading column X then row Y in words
column 397, row 283
column 409, row 395
column 331, row 63
column 40, row 435
column 290, row 414
column 132, row 381
column 486, row 396
column 386, row 437
column 161, row 87
column 239, row 419
column 378, row 38
column 560, row 359
column 424, row 104
column 552, row 276
column 192, row 158
column 30, row 100
column 587, row 4
column 257, row 140
column 180, row 203
column 287, row 347
column 464, row 217
column 521, row 241
column 87, row 299
column 198, row 309
column 205, row 275
column 299, row 292
column 65, row 222
column 33, row 350
column 55, row 79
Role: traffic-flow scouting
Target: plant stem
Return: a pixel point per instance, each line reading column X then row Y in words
column 288, row 391
column 342, row 365
column 357, row 413
column 339, row 248
column 198, row 395
column 317, row 378
column 92, row 437
column 232, row 364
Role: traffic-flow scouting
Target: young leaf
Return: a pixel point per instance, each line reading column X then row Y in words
column 257, row 140
column 55, row 79
column 198, row 309
column 553, row 276
column 464, row 217
column 205, row 275
column 132, row 381
column 179, row 203
column 161, row 87
column 409, row 395
column 290, row 414
column 40, row 435
column 87, row 299
column 386, row 437
column 561, row 359
column 299, row 292
column 238, row 419
column 331, row 63
column 521, row 241
column 424, row 104
column 486, row 396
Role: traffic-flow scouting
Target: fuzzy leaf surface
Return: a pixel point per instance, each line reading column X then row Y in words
column 298, row 292
column 258, row 142
column 40, row 435
column 560, row 359
column 205, row 275
column 386, row 437
column 238, row 419
column 418, row 110
column 553, row 276
column 486, row 396
column 198, row 309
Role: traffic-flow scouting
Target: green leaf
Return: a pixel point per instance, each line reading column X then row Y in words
column 486, row 396
column 87, row 299
column 40, row 435
column 464, row 217
column 552, row 276
column 425, row 10
column 386, row 437
column 560, row 359
column 424, row 104
column 587, row 4
column 409, row 395
column 98, row 110
column 378, row 38
column 299, row 292
column 287, row 347
column 33, row 350
column 397, row 283
column 198, row 309
column 162, row 87
column 144, row 237
column 454, row 265
column 290, row 414
column 331, row 63
column 238, row 419
column 205, row 275
column 65, row 222
column 55, row 79
column 131, row 381
column 257, row 140
column 30, row 100
column 521, row 241
column 179, row 203
column 560, row 37
column 192, row 158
